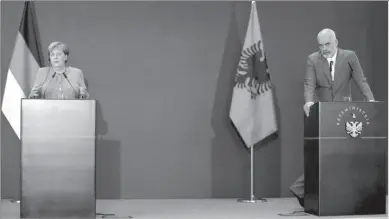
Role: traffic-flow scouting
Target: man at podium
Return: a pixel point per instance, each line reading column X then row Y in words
column 327, row 78
column 59, row 81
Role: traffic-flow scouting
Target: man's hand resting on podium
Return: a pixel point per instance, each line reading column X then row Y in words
column 307, row 107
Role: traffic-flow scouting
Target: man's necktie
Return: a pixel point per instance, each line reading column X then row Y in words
column 331, row 63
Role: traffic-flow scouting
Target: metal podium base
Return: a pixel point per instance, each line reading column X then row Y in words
column 252, row 200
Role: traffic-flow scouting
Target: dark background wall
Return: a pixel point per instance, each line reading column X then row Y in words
column 163, row 73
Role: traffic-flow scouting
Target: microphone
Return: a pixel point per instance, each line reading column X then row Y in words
column 69, row 82
column 43, row 94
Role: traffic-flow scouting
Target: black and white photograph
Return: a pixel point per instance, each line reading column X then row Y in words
column 194, row 109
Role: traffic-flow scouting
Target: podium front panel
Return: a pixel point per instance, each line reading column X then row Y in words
column 58, row 159
column 346, row 163
column 351, row 176
column 353, row 120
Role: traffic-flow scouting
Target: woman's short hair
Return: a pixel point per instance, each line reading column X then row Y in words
column 58, row 45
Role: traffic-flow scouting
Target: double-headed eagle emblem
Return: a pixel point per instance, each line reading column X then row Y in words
column 354, row 128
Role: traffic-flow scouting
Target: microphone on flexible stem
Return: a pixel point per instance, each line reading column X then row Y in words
column 66, row 77
column 43, row 94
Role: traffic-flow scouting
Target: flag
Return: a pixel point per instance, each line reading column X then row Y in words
column 25, row 62
column 252, row 107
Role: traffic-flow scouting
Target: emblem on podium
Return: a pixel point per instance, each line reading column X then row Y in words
column 353, row 125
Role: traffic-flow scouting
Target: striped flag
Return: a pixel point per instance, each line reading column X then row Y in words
column 25, row 62
column 252, row 107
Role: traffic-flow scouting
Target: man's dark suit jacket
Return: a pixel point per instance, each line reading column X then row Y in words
column 318, row 85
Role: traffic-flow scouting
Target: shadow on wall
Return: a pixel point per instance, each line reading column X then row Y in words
column 228, row 154
column 108, row 169
column 108, row 162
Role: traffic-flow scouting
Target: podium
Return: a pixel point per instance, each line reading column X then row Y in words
column 345, row 158
column 58, row 158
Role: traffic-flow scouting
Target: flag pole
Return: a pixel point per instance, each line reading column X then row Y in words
column 252, row 199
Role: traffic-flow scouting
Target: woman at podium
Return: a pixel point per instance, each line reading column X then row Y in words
column 59, row 81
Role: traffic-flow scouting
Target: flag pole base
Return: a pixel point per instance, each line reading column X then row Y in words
column 252, row 200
